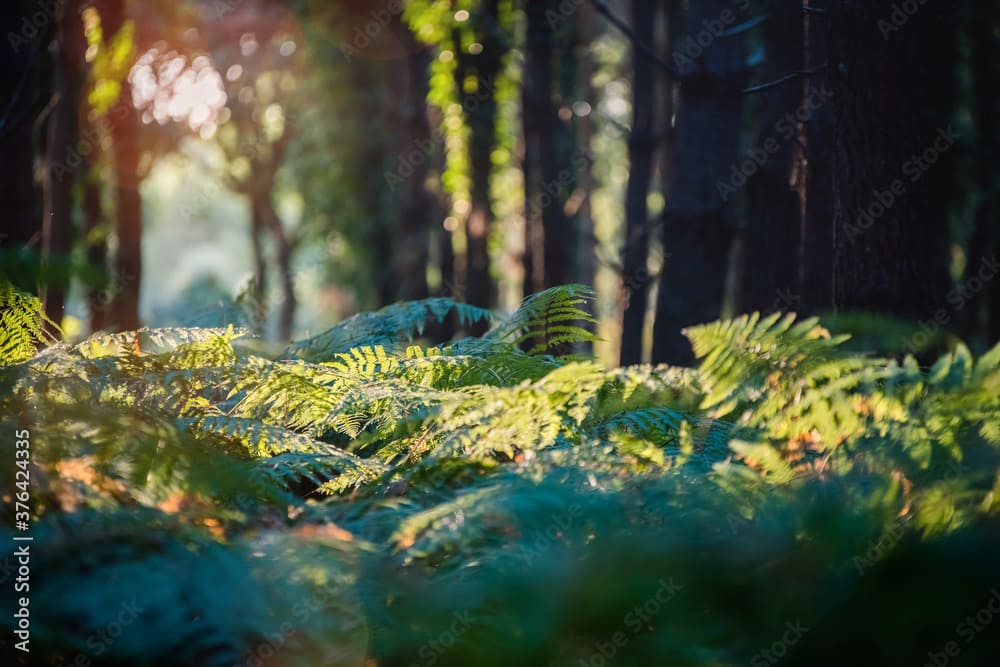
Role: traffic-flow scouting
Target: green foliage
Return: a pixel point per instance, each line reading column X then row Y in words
column 22, row 325
column 362, row 495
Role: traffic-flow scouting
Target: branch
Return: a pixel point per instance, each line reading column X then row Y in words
column 646, row 50
column 797, row 74
column 747, row 25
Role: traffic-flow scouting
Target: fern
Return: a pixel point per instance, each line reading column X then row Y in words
column 22, row 325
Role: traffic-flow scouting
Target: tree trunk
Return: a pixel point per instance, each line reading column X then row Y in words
column 698, row 223
column 22, row 60
column 415, row 204
column 984, row 247
column 480, row 109
column 641, row 148
column 586, row 254
column 124, row 128
column 128, row 260
column 891, row 140
column 771, row 236
column 95, row 233
column 262, row 202
column 63, row 159
column 816, row 263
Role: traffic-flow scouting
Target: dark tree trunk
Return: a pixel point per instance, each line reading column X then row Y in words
column 24, row 87
column 771, row 236
column 480, row 109
column 816, row 264
column 641, row 148
column 890, row 91
column 95, row 233
column 533, row 123
column 586, row 251
column 698, row 223
column 410, row 83
column 124, row 127
column 258, row 289
column 283, row 248
column 128, row 260
column 560, row 159
column 984, row 247
column 63, row 161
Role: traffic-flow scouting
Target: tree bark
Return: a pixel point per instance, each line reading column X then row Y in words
column 771, row 236
column 891, row 91
column 410, row 81
column 22, row 60
column 983, row 316
column 480, row 109
column 698, row 223
column 641, row 148
column 96, row 237
column 124, row 128
column 816, row 263
column 63, row 160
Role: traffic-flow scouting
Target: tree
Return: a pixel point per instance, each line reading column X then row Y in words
column 700, row 215
column 892, row 134
column 22, row 58
column 769, row 264
column 123, row 125
column 63, row 159
column 476, row 76
column 816, row 261
column 641, row 149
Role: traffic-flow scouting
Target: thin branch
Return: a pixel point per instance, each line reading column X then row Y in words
column 646, row 50
column 797, row 74
column 747, row 25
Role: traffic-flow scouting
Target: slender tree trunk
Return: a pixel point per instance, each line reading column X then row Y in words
column 891, row 142
column 480, row 110
column 24, row 88
column 259, row 287
column 641, row 148
column 532, row 120
column 415, row 202
column 557, row 83
column 586, row 255
column 283, row 248
column 128, row 260
column 699, row 219
column 771, row 237
column 816, row 264
column 63, row 159
column 124, row 128
column 96, row 247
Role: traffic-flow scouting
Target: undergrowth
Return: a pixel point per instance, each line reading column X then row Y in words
column 370, row 496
